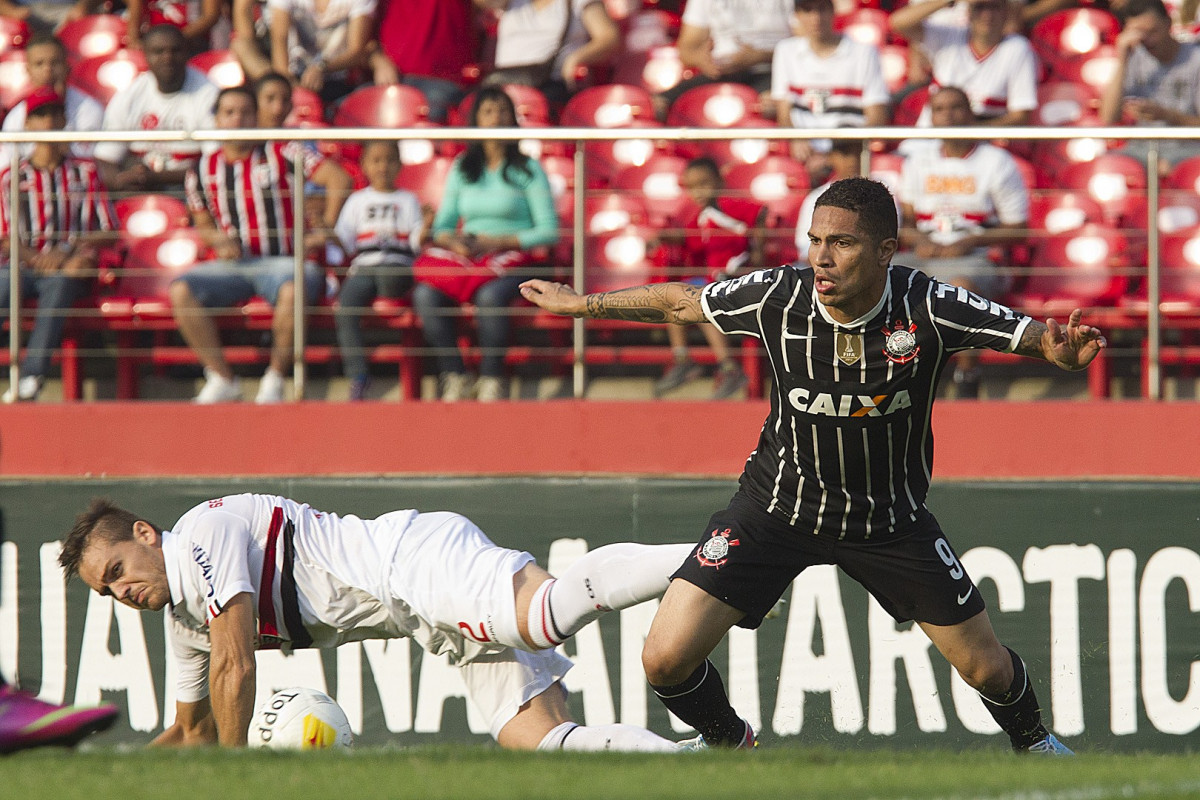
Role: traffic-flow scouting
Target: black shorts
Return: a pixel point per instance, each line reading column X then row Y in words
column 748, row 558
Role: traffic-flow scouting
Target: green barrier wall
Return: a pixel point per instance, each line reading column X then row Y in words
column 1097, row 585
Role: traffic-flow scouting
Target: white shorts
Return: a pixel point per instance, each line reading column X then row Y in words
column 457, row 580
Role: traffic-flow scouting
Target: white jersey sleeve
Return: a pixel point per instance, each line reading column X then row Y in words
column 217, row 555
column 191, row 652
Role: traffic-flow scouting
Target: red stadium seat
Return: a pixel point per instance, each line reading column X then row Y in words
column 1072, row 32
column 307, row 106
column 396, row 106
column 104, row 76
column 221, row 67
column 93, row 36
column 728, row 152
column 14, row 34
column 656, row 71
column 148, row 215
column 1179, row 282
column 14, row 78
column 1185, row 175
column 426, row 180
column 866, row 25
column 1178, row 211
column 1051, row 156
column 1094, row 69
column 648, row 29
column 151, row 263
column 657, row 181
column 614, row 212
column 714, row 105
column 1113, row 180
column 778, row 182
column 1057, row 212
column 612, row 106
column 1078, row 268
column 606, row 158
column 909, row 109
column 619, row 259
column 1066, row 104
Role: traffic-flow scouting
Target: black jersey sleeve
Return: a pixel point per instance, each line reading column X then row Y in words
column 968, row 321
column 733, row 305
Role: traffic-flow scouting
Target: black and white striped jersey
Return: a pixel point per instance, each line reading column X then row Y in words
column 847, row 450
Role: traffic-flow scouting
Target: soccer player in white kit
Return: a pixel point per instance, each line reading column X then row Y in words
column 254, row 571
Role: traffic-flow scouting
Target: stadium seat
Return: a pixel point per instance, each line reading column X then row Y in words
column 648, row 29
column 148, row 215
column 426, row 180
column 14, row 34
column 604, row 159
column 656, row 71
column 728, row 152
column 612, row 106
column 1078, row 268
column 1179, row 282
column 778, row 182
column 14, row 79
column 893, row 61
column 1052, row 155
column 866, row 25
column 714, row 105
column 1185, row 176
column 221, row 67
column 93, row 36
column 1072, row 32
column 1056, row 212
column 657, row 181
column 104, row 76
column 151, row 263
column 1065, row 104
column 909, row 109
column 397, row 106
column 1178, row 210
column 307, row 106
column 1113, row 180
column 611, row 212
column 1094, row 69
column 619, row 259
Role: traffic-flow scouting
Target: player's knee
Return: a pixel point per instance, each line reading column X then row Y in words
column 665, row 665
column 987, row 673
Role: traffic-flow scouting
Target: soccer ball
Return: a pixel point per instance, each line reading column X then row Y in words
column 300, row 719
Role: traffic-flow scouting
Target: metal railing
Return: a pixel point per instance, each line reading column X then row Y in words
column 579, row 137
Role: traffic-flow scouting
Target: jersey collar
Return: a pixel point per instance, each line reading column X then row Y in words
column 865, row 318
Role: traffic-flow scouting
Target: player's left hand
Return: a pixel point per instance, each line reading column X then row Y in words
column 1074, row 346
column 556, row 298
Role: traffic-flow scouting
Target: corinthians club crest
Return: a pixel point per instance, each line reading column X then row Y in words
column 901, row 345
column 715, row 552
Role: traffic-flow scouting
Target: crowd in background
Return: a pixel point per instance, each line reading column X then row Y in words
column 496, row 212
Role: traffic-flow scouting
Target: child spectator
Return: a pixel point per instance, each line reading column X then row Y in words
column 379, row 229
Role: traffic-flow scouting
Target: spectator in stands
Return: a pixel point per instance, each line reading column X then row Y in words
column 545, row 43
column 320, row 47
column 250, row 39
column 1156, row 81
column 194, row 20
column 730, row 41
column 169, row 97
column 46, row 65
column 723, row 237
column 997, row 70
column 431, row 45
column 379, row 230
column 822, row 79
column 241, row 201
column 273, row 93
column 497, row 209
column 62, row 218
column 960, row 199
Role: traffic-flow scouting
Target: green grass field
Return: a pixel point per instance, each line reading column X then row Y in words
column 480, row 773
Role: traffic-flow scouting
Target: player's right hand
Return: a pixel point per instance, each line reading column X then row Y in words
column 556, row 298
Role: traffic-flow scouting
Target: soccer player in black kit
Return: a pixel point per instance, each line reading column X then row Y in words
column 843, row 463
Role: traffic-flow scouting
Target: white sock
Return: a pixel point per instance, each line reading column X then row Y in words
column 596, row 738
column 608, row 578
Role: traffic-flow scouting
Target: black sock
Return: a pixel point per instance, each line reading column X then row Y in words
column 1017, row 710
column 701, row 702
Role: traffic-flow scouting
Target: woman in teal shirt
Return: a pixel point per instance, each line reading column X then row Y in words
column 497, row 208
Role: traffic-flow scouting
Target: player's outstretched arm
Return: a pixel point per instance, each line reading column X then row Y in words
column 677, row 303
column 1072, row 347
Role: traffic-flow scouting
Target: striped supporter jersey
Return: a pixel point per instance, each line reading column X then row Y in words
column 250, row 199
column 847, row 450
column 55, row 205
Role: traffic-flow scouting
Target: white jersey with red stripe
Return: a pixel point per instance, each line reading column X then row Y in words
column 319, row 580
column 957, row 197
column 376, row 227
column 997, row 82
column 827, row 91
column 142, row 107
column 55, row 205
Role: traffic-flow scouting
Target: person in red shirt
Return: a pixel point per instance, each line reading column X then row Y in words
column 724, row 236
column 430, row 44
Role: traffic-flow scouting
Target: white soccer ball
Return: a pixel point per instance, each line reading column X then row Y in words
column 300, row 719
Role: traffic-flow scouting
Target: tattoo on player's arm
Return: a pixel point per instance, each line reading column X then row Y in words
column 1031, row 341
column 659, row 303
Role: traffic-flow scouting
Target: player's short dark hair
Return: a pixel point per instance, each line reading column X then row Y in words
column 43, row 39
column 1135, row 8
column 242, row 89
column 706, row 163
column 870, row 199
column 103, row 521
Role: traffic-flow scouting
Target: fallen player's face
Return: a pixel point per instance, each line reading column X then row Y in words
column 849, row 268
column 132, row 571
